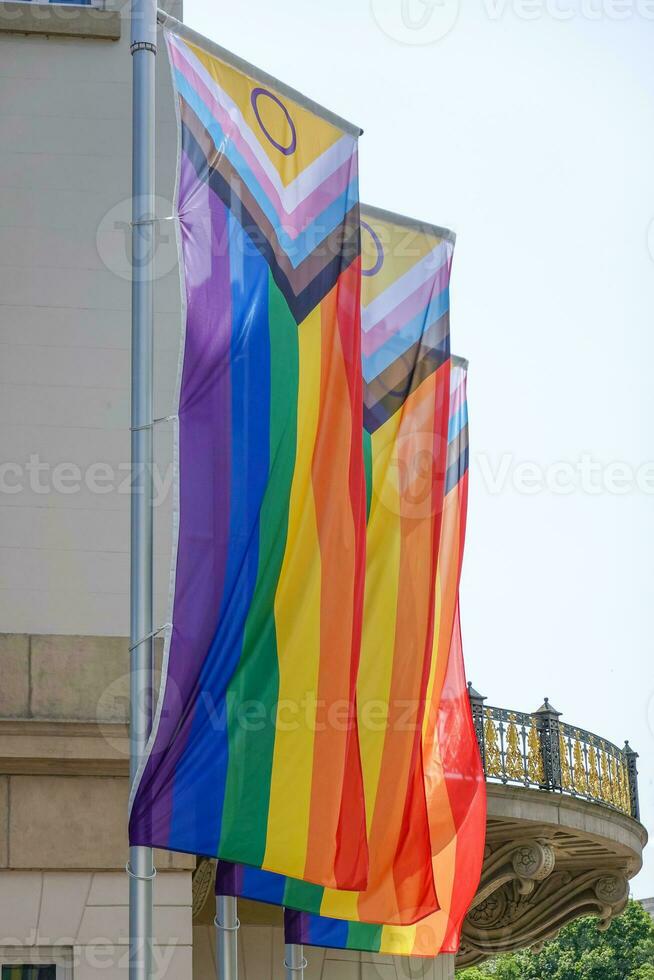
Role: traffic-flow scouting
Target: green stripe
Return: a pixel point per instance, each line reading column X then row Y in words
column 362, row 935
column 254, row 689
column 367, row 462
column 303, row 895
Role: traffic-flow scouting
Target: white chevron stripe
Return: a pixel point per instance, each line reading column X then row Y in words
column 309, row 179
column 403, row 287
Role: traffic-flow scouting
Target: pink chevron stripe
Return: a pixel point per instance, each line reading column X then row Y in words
column 295, row 222
column 457, row 393
column 377, row 336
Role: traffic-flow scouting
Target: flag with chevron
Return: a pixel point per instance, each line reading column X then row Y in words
column 245, row 762
column 406, row 371
column 454, row 778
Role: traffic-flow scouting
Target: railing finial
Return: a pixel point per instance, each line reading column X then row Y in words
column 632, row 773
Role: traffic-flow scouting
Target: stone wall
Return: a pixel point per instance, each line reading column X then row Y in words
column 64, row 764
column 85, row 915
column 65, row 208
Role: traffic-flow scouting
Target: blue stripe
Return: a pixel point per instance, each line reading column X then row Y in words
column 297, row 249
column 326, row 932
column 458, row 421
column 263, row 886
column 410, row 333
column 199, row 787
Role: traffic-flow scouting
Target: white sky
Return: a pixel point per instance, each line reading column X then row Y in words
column 534, row 140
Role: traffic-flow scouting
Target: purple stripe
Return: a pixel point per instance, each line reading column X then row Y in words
column 229, row 879
column 204, row 466
column 295, row 927
column 406, row 311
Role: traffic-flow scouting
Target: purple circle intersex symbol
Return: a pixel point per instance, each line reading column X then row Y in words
column 254, row 99
column 379, row 261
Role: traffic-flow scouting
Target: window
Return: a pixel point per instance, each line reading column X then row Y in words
column 36, row 963
column 77, row 3
column 26, row 971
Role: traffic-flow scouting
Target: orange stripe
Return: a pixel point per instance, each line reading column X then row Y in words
column 337, row 536
column 398, row 844
column 447, row 584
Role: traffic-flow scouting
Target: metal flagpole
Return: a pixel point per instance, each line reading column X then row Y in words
column 294, row 961
column 140, row 868
column 227, row 926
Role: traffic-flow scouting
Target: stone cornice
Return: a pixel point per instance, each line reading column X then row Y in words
column 32, row 747
column 530, row 806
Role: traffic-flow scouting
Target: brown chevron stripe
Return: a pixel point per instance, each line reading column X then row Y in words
column 457, row 446
column 326, row 250
column 397, row 375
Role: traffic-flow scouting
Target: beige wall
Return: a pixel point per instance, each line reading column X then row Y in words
column 65, row 167
column 261, row 957
column 86, row 914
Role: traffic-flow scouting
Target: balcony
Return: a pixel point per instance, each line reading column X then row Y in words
column 563, row 833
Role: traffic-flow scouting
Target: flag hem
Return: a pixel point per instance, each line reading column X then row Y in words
column 258, row 74
column 175, row 481
column 402, row 219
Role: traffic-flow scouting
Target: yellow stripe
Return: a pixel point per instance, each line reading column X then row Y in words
column 397, row 940
column 297, row 619
column 314, row 135
column 378, row 639
column 431, row 709
column 383, row 541
column 340, row 905
column 403, row 248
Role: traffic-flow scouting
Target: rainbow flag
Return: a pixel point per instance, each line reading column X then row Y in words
column 454, row 777
column 406, row 371
column 244, row 762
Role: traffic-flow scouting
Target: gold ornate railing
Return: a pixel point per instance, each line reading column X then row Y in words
column 538, row 750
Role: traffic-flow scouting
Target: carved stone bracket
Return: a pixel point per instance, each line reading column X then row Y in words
column 524, row 863
column 509, row 918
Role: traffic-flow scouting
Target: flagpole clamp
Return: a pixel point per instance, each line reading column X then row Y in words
column 149, row 636
column 297, row 969
column 142, row 46
column 227, row 928
column 149, row 425
column 153, row 221
column 132, row 874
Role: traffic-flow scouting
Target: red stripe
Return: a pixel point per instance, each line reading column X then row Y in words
column 348, row 306
column 466, row 788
